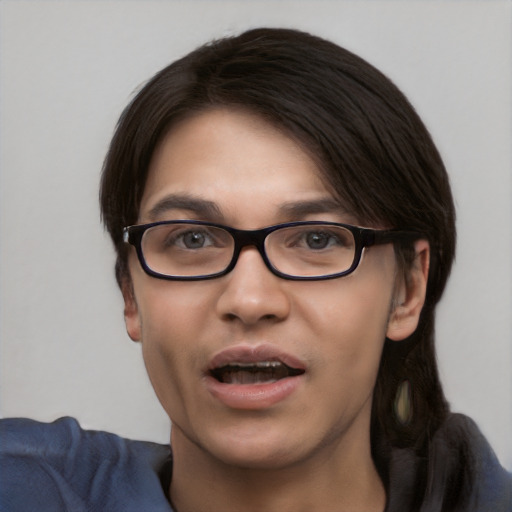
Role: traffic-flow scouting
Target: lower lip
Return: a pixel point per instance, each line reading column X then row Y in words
column 252, row 396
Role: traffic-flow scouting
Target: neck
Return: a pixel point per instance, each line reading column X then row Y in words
column 340, row 479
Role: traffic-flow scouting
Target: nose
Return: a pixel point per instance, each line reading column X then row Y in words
column 253, row 294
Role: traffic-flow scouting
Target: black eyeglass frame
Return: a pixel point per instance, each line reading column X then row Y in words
column 363, row 237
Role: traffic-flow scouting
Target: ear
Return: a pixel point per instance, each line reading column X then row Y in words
column 410, row 295
column 131, row 311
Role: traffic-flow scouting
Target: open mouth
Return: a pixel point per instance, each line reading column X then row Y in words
column 264, row 372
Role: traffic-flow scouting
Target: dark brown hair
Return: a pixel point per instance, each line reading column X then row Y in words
column 369, row 144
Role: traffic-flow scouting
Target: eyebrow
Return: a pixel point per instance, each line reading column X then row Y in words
column 299, row 209
column 201, row 207
column 208, row 210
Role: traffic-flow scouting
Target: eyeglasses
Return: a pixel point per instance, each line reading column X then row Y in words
column 188, row 250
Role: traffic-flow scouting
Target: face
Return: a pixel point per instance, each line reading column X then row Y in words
column 234, row 169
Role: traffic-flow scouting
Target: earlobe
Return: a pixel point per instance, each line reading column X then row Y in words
column 410, row 296
column 131, row 312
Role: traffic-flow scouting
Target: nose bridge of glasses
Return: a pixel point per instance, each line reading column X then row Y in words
column 250, row 238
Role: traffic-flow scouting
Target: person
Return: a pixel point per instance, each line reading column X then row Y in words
column 284, row 228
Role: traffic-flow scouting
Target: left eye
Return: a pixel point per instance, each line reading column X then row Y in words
column 315, row 239
column 319, row 239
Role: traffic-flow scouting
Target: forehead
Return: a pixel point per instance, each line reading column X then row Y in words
column 235, row 160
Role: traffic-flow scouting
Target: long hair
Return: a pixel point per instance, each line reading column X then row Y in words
column 370, row 146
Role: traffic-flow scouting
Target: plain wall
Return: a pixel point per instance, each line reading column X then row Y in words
column 67, row 70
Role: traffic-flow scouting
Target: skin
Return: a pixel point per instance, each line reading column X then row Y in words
column 310, row 450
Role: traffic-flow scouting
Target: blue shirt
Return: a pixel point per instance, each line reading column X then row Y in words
column 58, row 467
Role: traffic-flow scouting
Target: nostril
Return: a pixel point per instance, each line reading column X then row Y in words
column 231, row 317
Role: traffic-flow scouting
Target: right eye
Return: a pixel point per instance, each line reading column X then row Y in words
column 188, row 238
column 194, row 240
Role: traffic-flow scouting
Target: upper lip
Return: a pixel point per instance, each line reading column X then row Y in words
column 247, row 354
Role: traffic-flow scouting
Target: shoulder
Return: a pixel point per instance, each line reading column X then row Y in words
column 457, row 472
column 464, row 472
column 59, row 466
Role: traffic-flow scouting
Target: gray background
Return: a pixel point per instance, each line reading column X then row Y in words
column 67, row 70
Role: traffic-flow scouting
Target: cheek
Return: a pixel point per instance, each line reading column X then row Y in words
column 171, row 324
column 347, row 307
column 349, row 323
column 171, row 312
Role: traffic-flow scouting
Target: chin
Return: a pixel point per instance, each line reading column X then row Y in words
column 259, row 460
column 257, row 451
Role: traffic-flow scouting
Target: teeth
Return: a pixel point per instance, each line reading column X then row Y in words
column 261, row 364
column 247, row 377
column 254, row 373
